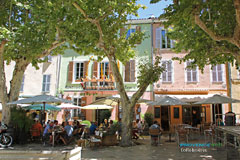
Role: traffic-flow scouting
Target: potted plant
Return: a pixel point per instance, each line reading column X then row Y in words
column 110, row 138
column 21, row 123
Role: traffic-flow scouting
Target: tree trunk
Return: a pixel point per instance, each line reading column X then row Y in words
column 127, row 120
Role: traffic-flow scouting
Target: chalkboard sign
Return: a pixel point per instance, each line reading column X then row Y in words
column 176, row 112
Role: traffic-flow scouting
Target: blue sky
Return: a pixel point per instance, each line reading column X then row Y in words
column 155, row 9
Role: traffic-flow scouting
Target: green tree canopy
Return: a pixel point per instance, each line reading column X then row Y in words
column 209, row 30
column 28, row 33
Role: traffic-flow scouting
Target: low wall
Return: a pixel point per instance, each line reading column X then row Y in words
column 74, row 154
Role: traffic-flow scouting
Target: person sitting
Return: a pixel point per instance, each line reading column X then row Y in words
column 105, row 124
column 93, row 127
column 135, row 131
column 155, row 131
column 36, row 129
column 47, row 133
column 110, row 124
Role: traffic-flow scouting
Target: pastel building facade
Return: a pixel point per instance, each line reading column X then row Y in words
column 84, row 80
column 189, row 85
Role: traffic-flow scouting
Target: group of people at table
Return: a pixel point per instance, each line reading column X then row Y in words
column 53, row 132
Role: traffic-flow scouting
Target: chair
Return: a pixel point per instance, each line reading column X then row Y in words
column 155, row 136
column 181, row 134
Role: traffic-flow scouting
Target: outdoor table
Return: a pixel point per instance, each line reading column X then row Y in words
column 190, row 129
column 229, row 130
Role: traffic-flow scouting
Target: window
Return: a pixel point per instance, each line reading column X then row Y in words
column 176, row 112
column 130, row 71
column 76, row 112
column 49, row 57
column 191, row 73
column 157, row 112
column 22, row 84
column 162, row 41
column 167, row 74
column 217, row 73
column 46, row 83
column 104, row 70
column 130, row 31
column 79, row 69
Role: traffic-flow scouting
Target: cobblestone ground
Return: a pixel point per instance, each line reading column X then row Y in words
column 166, row 151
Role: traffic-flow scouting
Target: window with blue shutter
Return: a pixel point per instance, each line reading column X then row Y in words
column 191, row 73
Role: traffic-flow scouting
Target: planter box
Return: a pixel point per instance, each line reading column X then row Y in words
column 109, row 140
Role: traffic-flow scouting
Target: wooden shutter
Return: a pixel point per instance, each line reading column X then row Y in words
column 214, row 74
column 219, row 70
column 138, row 29
column 127, row 72
column 158, row 38
column 132, row 70
column 164, row 74
column 70, row 71
column 194, row 75
column 189, row 75
column 169, row 71
column 85, row 69
column 95, row 69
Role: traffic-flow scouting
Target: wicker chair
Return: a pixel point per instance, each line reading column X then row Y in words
column 155, row 136
column 181, row 134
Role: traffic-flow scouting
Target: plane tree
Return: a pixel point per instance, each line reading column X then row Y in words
column 92, row 27
column 26, row 36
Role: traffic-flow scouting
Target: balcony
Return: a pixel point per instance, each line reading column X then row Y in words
column 98, row 84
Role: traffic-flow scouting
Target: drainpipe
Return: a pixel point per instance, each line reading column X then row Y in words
column 152, row 50
column 58, row 73
column 229, row 88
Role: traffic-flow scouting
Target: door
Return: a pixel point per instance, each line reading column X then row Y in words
column 196, row 116
column 165, row 118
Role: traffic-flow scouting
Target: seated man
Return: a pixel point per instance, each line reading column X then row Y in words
column 47, row 133
column 155, row 131
column 93, row 127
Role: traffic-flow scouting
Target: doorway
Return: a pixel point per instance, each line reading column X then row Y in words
column 196, row 116
column 165, row 118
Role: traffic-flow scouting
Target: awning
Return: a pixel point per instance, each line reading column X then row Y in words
column 191, row 98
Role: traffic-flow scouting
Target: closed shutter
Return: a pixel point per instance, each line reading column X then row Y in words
column 70, row 71
column 138, row 29
column 219, row 70
column 127, row 72
column 95, row 70
column 158, row 38
column 169, row 71
column 85, row 69
column 132, row 70
column 214, row 74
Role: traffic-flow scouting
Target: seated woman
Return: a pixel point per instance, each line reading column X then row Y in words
column 36, row 129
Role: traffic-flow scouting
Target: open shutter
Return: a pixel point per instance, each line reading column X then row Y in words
column 95, row 70
column 189, row 75
column 138, row 29
column 132, row 70
column 169, row 71
column 70, row 71
column 85, row 69
column 194, row 74
column 127, row 72
column 214, row 74
column 219, row 70
column 158, row 38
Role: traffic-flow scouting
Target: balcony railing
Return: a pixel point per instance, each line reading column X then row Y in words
column 99, row 84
